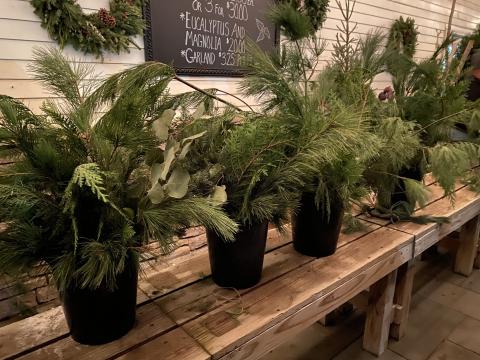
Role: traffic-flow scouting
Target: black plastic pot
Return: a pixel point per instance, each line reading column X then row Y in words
column 399, row 193
column 99, row 316
column 238, row 264
column 314, row 232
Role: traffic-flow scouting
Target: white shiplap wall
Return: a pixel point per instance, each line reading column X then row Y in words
column 20, row 32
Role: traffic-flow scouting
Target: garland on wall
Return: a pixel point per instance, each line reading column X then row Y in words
column 96, row 33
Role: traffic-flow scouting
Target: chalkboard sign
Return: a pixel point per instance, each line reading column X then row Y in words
column 207, row 37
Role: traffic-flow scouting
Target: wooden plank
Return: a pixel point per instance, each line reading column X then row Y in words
column 151, row 323
column 199, row 298
column 220, row 331
column 173, row 345
column 468, row 248
column 379, row 314
column 165, row 279
column 466, row 206
column 289, row 327
column 402, row 299
column 32, row 332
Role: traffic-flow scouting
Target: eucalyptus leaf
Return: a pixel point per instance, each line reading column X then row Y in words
column 220, row 194
column 156, row 173
column 177, row 185
column 199, row 112
column 156, row 194
column 193, row 137
column 185, row 150
column 162, row 124
column 172, row 148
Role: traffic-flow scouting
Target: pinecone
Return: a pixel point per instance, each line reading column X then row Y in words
column 107, row 19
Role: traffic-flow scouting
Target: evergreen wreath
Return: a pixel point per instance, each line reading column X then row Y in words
column 403, row 36
column 96, row 33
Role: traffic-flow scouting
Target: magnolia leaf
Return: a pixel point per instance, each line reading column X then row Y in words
column 177, row 185
column 185, row 151
column 193, row 137
column 172, row 148
column 199, row 112
column 156, row 194
column 162, row 124
column 156, row 173
column 220, row 194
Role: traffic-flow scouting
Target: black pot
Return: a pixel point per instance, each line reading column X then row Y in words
column 99, row 316
column 314, row 232
column 399, row 193
column 238, row 264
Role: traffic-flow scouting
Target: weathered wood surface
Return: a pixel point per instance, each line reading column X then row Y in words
column 32, row 332
column 199, row 298
column 182, row 312
column 151, row 323
column 284, row 330
column 402, row 299
column 379, row 314
column 183, row 300
column 220, row 332
column 174, row 345
column 184, row 271
column 466, row 207
column 468, row 247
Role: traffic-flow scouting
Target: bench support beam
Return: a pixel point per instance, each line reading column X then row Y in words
column 379, row 314
column 402, row 299
column 468, row 248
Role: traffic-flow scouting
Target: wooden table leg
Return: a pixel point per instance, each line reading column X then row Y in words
column 379, row 315
column 402, row 299
column 468, row 248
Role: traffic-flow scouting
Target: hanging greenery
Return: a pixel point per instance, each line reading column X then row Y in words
column 475, row 37
column 403, row 36
column 298, row 19
column 96, row 33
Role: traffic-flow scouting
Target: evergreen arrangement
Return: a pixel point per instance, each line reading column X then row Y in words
column 96, row 33
column 462, row 47
column 98, row 174
column 403, row 36
column 291, row 87
column 431, row 101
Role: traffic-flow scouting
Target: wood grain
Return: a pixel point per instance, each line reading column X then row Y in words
column 31, row 332
column 174, row 345
column 199, row 298
column 274, row 302
column 289, row 327
column 379, row 314
column 151, row 323
column 468, row 247
column 402, row 299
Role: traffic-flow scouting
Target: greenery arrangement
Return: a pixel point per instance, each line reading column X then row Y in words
column 462, row 46
column 104, row 31
column 403, row 36
column 430, row 100
column 291, row 87
column 98, row 175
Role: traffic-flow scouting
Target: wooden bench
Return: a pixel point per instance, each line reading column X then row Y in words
column 182, row 314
